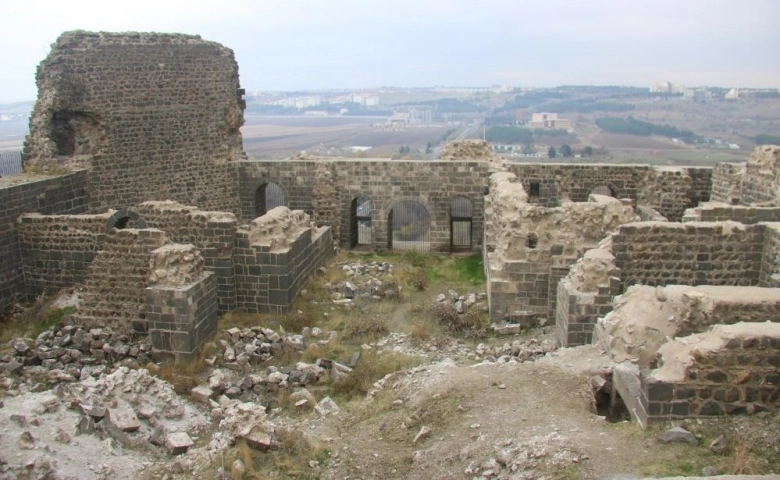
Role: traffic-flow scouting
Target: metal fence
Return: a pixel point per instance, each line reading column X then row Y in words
column 10, row 163
column 267, row 197
column 410, row 224
column 360, row 222
column 461, row 212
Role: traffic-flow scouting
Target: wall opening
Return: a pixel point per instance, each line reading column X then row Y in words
column 122, row 219
column 461, row 214
column 360, row 222
column 533, row 191
column 409, row 227
column 74, row 132
column 532, row 240
column 603, row 190
column 267, row 197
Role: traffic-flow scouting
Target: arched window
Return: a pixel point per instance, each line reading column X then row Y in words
column 267, row 197
column 409, row 227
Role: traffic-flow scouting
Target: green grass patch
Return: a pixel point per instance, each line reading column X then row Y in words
column 470, row 269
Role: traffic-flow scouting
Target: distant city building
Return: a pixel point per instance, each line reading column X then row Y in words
column 696, row 93
column 420, row 116
column 549, row 121
column 299, row 102
column 732, row 94
column 667, row 87
column 365, row 100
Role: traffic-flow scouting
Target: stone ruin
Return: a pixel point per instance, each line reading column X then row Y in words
column 152, row 213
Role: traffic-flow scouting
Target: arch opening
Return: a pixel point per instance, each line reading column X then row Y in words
column 360, row 222
column 603, row 190
column 267, row 197
column 409, row 227
column 461, row 214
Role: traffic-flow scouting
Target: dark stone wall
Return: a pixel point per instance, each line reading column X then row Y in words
column 434, row 184
column 152, row 116
column 770, row 262
column 654, row 253
column 65, row 194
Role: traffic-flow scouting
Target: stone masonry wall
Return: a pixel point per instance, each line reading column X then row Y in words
column 434, row 184
column 761, row 182
column 65, row 194
column 720, row 212
column 727, row 183
column 670, row 190
column 113, row 293
column 663, row 253
column 770, row 258
column 731, row 369
column 213, row 233
column 58, row 249
column 152, row 116
column 274, row 257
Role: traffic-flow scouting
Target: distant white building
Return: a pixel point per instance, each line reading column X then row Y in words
column 549, row 121
column 732, row 94
column 365, row 100
column 666, row 87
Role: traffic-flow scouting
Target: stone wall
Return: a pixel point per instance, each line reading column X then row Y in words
column 770, row 258
column 21, row 194
column 670, row 190
column 664, row 253
column 58, row 249
column 213, row 233
column 181, row 302
column 649, row 214
column 434, row 184
column 152, row 116
column 720, row 212
column 274, row 256
column 113, row 293
column 731, row 369
column 727, row 183
column 761, row 182
column 529, row 248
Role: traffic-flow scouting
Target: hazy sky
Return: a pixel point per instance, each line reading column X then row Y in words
column 306, row 44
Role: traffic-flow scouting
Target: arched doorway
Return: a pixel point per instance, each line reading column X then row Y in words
column 360, row 222
column 602, row 190
column 124, row 218
column 461, row 212
column 267, row 197
column 409, row 227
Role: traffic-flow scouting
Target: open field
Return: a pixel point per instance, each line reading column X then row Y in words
column 277, row 137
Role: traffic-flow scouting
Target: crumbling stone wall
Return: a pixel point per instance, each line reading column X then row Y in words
column 435, row 184
column 727, row 183
column 213, row 233
column 58, row 249
column 720, row 212
column 274, row 256
column 152, row 116
column 650, row 214
column 325, row 200
column 113, row 293
column 529, row 248
column 670, row 190
column 770, row 258
column 64, row 194
column 664, row 253
column 731, row 369
column 761, row 182
column 181, row 302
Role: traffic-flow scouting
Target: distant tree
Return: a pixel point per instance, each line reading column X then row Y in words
column 588, row 151
column 765, row 139
column 551, row 152
column 428, row 148
column 528, row 148
column 566, row 151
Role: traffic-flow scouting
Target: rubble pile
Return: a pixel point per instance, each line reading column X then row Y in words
column 66, row 354
column 514, row 459
column 367, row 281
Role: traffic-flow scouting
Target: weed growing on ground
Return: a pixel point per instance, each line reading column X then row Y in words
column 365, row 328
column 371, row 367
column 35, row 319
column 242, row 320
column 185, row 375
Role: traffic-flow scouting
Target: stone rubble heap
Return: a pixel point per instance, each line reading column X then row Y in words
column 367, row 282
column 66, row 354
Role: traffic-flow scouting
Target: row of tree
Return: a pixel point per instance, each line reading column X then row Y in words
column 567, row 151
column 632, row 126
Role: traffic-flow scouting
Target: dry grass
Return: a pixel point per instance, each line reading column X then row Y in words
column 289, row 458
column 242, row 320
column 365, row 328
column 331, row 350
column 371, row 367
column 741, row 460
column 186, row 375
column 34, row 320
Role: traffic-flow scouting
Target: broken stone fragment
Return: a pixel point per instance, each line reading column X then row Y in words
column 158, row 436
column 18, row 419
column 124, row 419
column 202, row 394
column 62, row 436
column 95, row 412
column 178, row 443
column 85, row 425
column 424, row 432
column 26, row 440
column 678, row 435
column 257, row 438
column 326, row 406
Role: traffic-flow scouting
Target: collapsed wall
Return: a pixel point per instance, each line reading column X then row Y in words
column 528, row 248
column 755, row 183
column 274, row 255
column 152, row 117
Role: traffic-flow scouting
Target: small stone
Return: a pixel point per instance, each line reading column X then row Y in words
column 26, row 440
column 124, row 419
column 202, row 394
column 85, row 425
column 18, row 419
column 238, row 469
column 158, row 436
column 257, row 438
column 424, row 432
column 178, row 443
column 719, row 445
column 326, row 406
column 678, row 435
column 62, row 436
column 709, row 471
